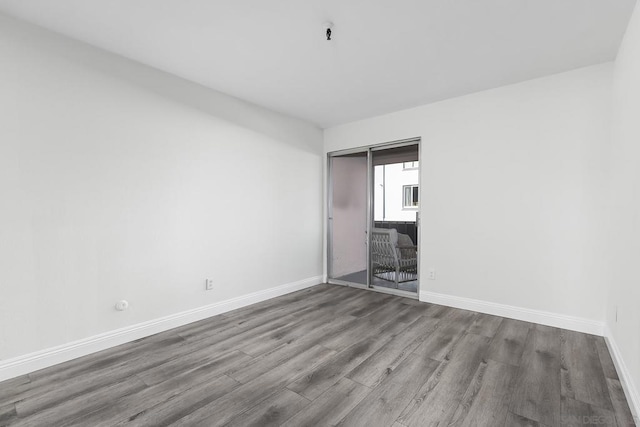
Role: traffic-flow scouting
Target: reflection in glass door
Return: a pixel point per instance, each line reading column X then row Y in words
column 348, row 217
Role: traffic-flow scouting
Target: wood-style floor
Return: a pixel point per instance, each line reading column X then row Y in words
column 332, row 355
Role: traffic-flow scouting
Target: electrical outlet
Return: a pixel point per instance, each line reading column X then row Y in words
column 209, row 284
column 432, row 274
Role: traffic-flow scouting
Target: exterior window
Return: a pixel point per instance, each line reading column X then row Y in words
column 410, row 165
column 410, row 196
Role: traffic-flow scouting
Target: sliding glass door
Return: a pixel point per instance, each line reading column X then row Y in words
column 374, row 198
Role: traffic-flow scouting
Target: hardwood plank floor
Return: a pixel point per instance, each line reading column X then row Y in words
column 331, row 355
column 332, row 406
column 437, row 400
column 384, row 404
column 582, row 372
column 508, row 344
column 486, row 401
column 536, row 394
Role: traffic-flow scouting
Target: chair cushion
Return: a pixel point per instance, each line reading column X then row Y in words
column 392, row 232
column 405, row 240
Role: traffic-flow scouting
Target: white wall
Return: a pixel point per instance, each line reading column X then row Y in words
column 511, row 190
column 120, row 181
column 394, row 179
column 624, row 245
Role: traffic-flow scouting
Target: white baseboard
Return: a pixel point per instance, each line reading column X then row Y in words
column 630, row 390
column 536, row 316
column 31, row 362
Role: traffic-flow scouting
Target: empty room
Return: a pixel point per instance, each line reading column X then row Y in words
column 319, row 213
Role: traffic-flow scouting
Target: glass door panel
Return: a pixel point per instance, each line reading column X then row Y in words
column 348, row 211
column 394, row 232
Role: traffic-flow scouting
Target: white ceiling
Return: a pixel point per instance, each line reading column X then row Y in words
column 385, row 55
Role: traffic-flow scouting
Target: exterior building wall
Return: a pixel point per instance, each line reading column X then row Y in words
column 388, row 193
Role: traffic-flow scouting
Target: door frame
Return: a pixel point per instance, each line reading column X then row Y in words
column 368, row 149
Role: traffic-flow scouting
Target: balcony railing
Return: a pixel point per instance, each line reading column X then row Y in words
column 405, row 227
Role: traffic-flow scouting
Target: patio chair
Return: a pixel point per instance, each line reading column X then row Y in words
column 393, row 256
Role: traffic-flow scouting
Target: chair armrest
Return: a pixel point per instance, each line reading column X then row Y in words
column 407, row 247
